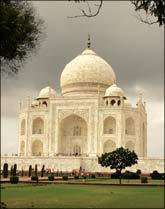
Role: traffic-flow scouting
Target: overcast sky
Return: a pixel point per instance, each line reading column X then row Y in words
column 134, row 50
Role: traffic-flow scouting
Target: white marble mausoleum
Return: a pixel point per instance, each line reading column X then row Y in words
column 92, row 115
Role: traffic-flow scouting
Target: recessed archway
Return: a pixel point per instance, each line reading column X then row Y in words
column 73, row 136
column 129, row 126
column 37, row 148
column 110, row 125
column 130, row 145
column 38, row 126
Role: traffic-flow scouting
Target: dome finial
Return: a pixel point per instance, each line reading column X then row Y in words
column 89, row 41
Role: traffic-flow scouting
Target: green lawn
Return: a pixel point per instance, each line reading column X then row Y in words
column 80, row 196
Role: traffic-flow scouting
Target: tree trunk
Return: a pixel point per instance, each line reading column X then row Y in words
column 120, row 177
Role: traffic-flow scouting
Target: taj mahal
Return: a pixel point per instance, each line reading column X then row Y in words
column 91, row 115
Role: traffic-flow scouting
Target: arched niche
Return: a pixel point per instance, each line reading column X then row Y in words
column 37, row 148
column 38, row 126
column 109, row 125
column 130, row 145
column 23, row 127
column 129, row 126
column 109, row 146
column 73, row 133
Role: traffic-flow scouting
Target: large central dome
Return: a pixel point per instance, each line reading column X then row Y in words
column 86, row 74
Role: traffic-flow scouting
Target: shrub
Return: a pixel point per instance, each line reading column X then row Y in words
column 130, row 175
column 93, row 176
column 163, row 176
column 3, row 205
column 11, row 171
column 35, row 170
column 51, row 177
column 144, row 179
column 155, row 175
column 138, row 172
column 65, row 178
column 34, row 178
column 5, row 170
column 42, row 171
column 84, row 177
column 15, row 170
column 76, row 177
column 30, row 171
column 14, row 179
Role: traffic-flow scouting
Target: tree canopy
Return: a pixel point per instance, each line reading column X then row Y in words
column 154, row 10
column 118, row 159
column 21, row 32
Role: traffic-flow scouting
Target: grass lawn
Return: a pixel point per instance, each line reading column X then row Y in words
column 78, row 196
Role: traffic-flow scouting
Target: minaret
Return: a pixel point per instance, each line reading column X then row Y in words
column 139, row 101
column 140, row 97
column 89, row 41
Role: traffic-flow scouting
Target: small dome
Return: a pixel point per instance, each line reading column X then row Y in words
column 46, row 93
column 85, row 73
column 114, row 90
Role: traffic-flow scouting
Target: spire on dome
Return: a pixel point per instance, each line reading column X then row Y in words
column 89, row 41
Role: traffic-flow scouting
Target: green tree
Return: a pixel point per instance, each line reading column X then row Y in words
column 42, row 171
column 15, row 170
column 118, row 159
column 35, row 170
column 30, row 171
column 5, row 170
column 21, row 32
column 11, row 171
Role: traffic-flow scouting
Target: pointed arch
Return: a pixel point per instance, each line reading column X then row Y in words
column 73, row 135
column 38, row 126
column 37, row 148
column 130, row 145
column 130, row 126
column 109, row 146
column 110, row 125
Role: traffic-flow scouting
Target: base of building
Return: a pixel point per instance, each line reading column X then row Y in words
column 69, row 163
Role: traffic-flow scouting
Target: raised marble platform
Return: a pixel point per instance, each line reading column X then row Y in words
column 90, row 164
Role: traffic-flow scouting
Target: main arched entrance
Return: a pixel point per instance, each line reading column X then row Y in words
column 73, row 136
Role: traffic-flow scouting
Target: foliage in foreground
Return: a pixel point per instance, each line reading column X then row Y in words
column 21, row 31
column 156, row 175
column 51, row 177
column 118, row 159
column 144, row 179
column 5, row 170
column 14, row 179
column 3, row 205
column 152, row 8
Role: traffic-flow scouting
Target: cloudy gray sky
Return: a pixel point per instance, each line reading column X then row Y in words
column 134, row 50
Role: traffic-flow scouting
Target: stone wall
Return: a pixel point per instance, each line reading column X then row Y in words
column 90, row 164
